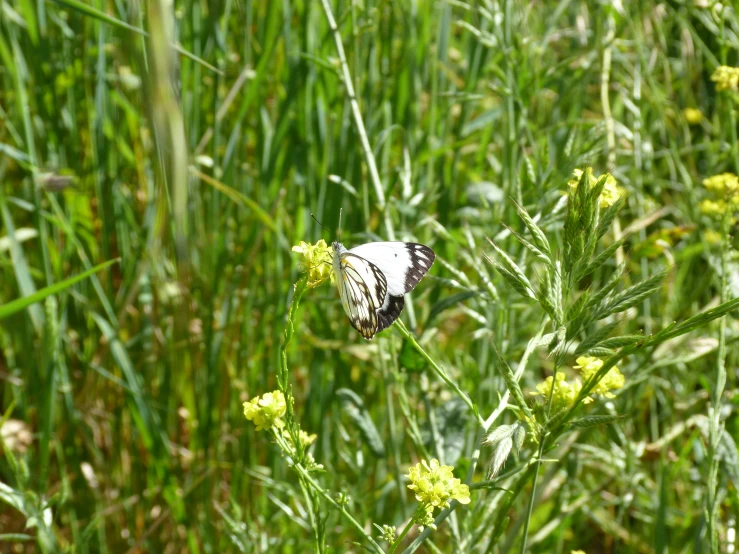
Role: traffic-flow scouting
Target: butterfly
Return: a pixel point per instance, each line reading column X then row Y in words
column 373, row 278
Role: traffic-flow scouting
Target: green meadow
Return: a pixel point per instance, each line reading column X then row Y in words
column 177, row 372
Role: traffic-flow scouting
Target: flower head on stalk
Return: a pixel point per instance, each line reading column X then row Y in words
column 266, row 411
column 317, row 259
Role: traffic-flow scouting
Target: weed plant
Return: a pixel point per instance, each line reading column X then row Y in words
column 175, row 378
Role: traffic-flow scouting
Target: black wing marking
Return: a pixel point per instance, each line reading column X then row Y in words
column 390, row 313
column 421, row 257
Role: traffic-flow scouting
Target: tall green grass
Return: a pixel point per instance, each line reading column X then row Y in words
column 192, row 142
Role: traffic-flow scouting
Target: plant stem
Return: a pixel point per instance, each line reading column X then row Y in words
column 530, row 510
column 715, row 428
column 542, row 440
column 358, row 122
column 439, row 372
column 403, row 533
column 308, row 479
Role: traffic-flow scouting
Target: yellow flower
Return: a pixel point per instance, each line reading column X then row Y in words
column 577, row 552
column 318, row 260
column 564, row 393
column 305, row 439
column 693, row 116
column 576, row 176
column 723, row 185
column 611, row 191
column 713, row 208
column 435, row 485
column 266, row 411
column 614, row 379
column 726, row 78
column 712, row 237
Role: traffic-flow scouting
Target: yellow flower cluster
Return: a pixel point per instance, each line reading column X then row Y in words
column 725, row 190
column 435, row 486
column 725, row 184
column 318, row 260
column 693, row 116
column 266, row 411
column 726, row 78
column 611, row 191
column 565, row 393
column 614, row 379
column 304, row 438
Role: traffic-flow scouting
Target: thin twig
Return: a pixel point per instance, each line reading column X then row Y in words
column 439, row 372
column 358, row 122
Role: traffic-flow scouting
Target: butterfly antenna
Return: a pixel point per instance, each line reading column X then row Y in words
column 340, row 210
column 321, row 224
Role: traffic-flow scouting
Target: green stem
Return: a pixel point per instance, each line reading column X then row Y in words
column 439, row 372
column 530, row 509
column 403, row 533
column 542, row 440
column 715, row 428
column 311, row 514
column 346, row 77
column 309, row 480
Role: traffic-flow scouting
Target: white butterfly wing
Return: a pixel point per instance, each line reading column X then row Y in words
column 403, row 263
column 363, row 291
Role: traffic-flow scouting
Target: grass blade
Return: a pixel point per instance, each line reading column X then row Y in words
column 21, row 303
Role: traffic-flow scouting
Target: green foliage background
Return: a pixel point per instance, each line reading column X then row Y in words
column 199, row 172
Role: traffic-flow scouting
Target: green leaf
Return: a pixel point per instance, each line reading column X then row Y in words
column 541, row 256
column 353, row 406
column 595, row 338
column 595, row 420
column 510, row 379
column 607, row 217
column 538, row 236
column 110, row 20
column 448, row 302
column 602, row 258
column 13, row 498
column 21, row 303
column 410, row 359
column 588, row 310
column 509, row 265
column 451, row 420
column 15, row 537
column 620, row 342
column 633, row 295
column 511, row 273
column 675, row 330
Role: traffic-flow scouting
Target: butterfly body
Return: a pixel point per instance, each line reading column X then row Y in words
column 373, row 277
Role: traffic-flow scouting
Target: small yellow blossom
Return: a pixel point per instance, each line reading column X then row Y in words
column 305, row 439
column 318, row 260
column 614, row 379
column 726, row 78
column 611, row 191
column 577, row 552
column 693, row 116
column 717, row 208
column 576, row 176
column 564, row 393
column 723, row 185
column 387, row 533
column 435, row 485
column 712, row 237
column 267, row 410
